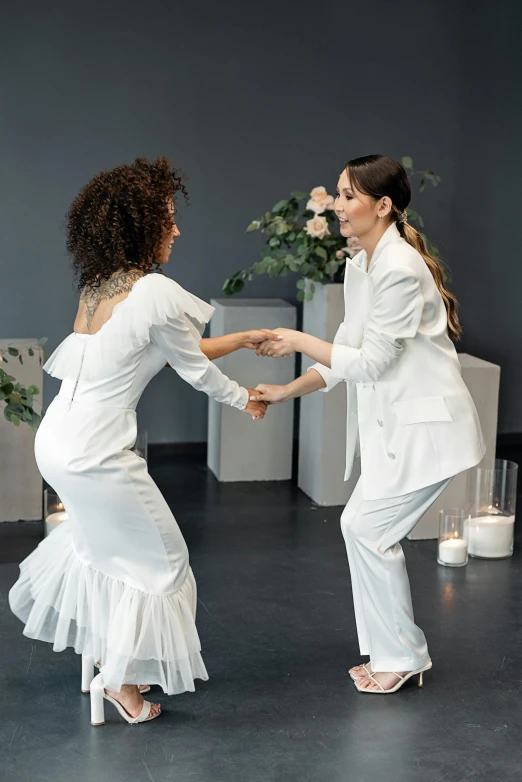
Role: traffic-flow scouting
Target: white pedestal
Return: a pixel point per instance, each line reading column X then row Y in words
column 20, row 480
column 322, row 427
column 240, row 449
column 482, row 379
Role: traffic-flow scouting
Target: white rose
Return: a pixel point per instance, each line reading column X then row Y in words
column 317, row 227
column 339, row 255
column 318, row 193
column 352, row 246
column 320, row 200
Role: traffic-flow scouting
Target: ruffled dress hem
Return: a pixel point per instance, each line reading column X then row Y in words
column 138, row 637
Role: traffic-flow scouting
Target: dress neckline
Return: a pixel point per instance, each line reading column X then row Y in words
column 118, row 304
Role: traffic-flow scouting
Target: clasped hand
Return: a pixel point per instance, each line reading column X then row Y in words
column 275, row 343
column 284, row 345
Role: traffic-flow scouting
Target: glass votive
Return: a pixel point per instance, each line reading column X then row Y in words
column 491, row 523
column 54, row 511
column 453, row 546
column 140, row 447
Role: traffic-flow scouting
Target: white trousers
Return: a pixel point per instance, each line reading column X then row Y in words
column 372, row 530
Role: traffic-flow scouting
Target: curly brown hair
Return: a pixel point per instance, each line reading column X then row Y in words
column 120, row 218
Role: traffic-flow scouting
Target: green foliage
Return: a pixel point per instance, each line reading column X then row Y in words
column 290, row 248
column 18, row 400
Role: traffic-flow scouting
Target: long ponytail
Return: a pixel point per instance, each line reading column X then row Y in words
column 378, row 176
column 413, row 237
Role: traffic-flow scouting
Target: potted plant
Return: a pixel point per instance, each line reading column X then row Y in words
column 300, row 239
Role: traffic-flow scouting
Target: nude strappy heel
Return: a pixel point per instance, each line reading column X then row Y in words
column 98, row 696
column 88, row 666
column 402, row 680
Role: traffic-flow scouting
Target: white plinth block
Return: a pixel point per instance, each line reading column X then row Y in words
column 240, row 449
column 482, row 379
column 322, row 426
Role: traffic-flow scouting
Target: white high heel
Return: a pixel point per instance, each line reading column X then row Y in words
column 98, row 695
column 88, row 675
column 402, row 680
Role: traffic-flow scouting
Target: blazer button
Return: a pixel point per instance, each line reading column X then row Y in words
column 391, row 455
column 379, row 422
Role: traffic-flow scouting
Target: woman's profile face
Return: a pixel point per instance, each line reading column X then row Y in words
column 170, row 236
column 357, row 212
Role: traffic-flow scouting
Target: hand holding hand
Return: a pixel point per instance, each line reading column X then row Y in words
column 256, row 337
column 270, row 394
column 286, row 344
column 255, row 408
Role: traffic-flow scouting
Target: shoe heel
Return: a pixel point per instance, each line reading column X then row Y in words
column 97, row 705
column 87, row 673
column 420, row 681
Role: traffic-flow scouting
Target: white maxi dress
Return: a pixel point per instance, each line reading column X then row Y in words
column 114, row 580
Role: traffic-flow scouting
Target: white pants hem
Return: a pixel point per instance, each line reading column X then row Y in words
column 399, row 664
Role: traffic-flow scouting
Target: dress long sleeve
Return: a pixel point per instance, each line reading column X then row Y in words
column 177, row 322
column 180, row 347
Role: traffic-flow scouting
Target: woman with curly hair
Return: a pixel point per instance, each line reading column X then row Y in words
column 114, row 581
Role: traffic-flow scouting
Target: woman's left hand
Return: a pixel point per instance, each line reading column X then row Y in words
column 286, row 344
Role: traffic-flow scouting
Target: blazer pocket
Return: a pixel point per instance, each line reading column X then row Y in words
column 422, row 409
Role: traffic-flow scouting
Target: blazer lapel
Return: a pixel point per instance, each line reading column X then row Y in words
column 355, row 303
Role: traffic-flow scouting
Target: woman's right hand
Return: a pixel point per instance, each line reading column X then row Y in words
column 270, row 394
column 255, row 408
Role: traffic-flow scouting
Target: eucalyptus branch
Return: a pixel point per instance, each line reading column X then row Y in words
column 20, row 401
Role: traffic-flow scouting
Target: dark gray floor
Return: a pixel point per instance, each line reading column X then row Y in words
column 277, row 628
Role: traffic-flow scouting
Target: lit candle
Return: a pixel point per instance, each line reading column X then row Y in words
column 491, row 537
column 453, row 551
column 53, row 519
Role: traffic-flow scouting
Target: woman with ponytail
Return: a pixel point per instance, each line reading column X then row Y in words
column 410, row 415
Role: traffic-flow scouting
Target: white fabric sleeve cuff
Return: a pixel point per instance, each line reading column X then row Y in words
column 242, row 399
column 341, row 357
column 327, row 375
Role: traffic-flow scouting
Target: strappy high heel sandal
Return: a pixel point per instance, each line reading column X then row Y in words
column 98, row 696
column 402, row 680
column 88, row 666
column 363, row 676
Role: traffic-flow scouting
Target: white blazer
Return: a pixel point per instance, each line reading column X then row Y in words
column 410, row 413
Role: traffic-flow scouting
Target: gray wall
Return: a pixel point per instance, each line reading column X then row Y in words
column 253, row 101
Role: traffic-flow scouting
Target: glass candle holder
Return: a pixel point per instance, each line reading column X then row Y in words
column 453, row 546
column 54, row 511
column 491, row 524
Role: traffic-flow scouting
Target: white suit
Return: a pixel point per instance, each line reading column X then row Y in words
column 415, row 423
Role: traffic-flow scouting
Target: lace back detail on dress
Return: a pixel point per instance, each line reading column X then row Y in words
column 153, row 301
